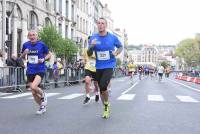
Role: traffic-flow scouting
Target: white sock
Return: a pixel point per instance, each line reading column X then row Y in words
column 88, row 95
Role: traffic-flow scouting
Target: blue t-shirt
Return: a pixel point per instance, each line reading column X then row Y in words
column 103, row 50
column 37, row 51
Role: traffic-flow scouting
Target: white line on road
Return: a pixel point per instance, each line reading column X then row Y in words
column 126, row 97
column 155, row 98
column 17, row 96
column 195, row 89
column 71, row 96
column 2, row 94
column 47, row 95
column 186, row 99
column 129, row 89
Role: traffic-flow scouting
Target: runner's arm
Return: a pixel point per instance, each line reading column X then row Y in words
column 90, row 50
column 118, row 51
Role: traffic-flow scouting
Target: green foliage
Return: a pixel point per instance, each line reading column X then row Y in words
column 188, row 50
column 64, row 48
column 164, row 64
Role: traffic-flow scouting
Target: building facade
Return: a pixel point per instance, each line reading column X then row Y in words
column 74, row 19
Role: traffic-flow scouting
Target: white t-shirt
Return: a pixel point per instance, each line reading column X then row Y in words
column 161, row 69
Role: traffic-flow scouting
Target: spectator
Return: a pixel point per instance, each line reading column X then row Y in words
column 55, row 73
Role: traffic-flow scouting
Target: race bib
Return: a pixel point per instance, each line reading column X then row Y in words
column 92, row 63
column 33, row 59
column 103, row 55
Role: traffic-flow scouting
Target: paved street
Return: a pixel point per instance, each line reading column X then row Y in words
column 140, row 107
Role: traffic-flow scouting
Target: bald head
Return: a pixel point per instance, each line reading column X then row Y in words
column 32, row 36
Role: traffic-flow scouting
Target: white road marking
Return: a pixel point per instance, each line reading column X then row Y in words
column 129, row 89
column 126, row 97
column 195, row 89
column 186, row 99
column 48, row 95
column 71, row 96
column 155, row 98
column 3, row 94
column 16, row 96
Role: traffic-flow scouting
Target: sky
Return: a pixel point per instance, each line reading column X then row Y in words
column 165, row 22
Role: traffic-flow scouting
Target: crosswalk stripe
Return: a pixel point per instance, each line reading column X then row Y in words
column 3, row 94
column 71, row 96
column 126, row 97
column 155, row 98
column 16, row 96
column 186, row 99
column 47, row 95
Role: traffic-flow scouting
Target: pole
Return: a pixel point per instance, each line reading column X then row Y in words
column 3, row 28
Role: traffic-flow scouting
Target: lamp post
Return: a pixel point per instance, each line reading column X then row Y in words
column 6, row 28
column 3, row 27
column 78, row 42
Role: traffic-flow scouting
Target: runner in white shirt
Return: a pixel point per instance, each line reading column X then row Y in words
column 160, row 72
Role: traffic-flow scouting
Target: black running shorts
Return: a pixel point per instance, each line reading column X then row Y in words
column 103, row 77
column 90, row 74
column 31, row 77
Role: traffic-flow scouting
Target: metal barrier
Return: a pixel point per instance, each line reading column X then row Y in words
column 14, row 78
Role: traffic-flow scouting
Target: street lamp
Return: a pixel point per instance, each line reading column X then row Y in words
column 6, row 27
column 78, row 42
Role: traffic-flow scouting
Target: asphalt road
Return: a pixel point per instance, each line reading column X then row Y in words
column 137, row 107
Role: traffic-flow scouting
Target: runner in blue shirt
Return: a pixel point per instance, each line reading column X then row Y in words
column 37, row 52
column 104, row 44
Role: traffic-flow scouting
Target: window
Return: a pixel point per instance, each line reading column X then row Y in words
column 81, row 3
column 77, row 22
column 72, row 13
column 33, row 20
column 81, row 24
column 60, row 6
column 33, row 1
column 84, row 6
column 66, row 31
column 47, row 22
column 72, row 33
column 84, row 25
column 60, row 28
column 67, row 7
column 87, row 7
column 47, row 4
column 55, row 5
column 77, row 2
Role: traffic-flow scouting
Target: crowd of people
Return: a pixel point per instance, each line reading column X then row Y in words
column 147, row 70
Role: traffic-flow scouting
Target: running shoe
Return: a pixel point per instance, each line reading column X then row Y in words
column 106, row 111
column 41, row 110
column 87, row 100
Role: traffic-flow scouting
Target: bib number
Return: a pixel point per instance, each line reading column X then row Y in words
column 92, row 63
column 103, row 55
column 33, row 59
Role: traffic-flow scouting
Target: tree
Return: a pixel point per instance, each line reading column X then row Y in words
column 164, row 64
column 186, row 50
column 64, row 48
column 50, row 37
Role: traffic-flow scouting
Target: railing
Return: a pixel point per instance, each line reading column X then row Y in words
column 14, row 78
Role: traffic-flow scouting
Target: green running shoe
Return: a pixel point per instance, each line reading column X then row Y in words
column 106, row 111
